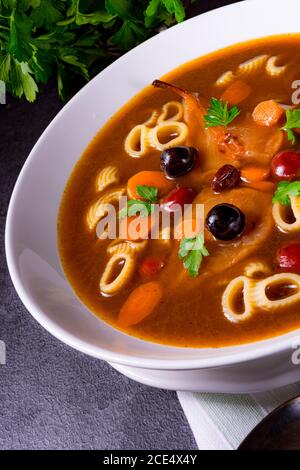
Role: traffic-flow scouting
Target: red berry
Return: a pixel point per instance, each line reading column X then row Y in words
column 288, row 257
column 151, row 266
column 286, row 165
column 178, row 197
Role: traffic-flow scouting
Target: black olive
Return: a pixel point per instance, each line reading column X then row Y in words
column 177, row 161
column 225, row 221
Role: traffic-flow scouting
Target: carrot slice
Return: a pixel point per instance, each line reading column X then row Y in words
column 135, row 228
column 237, row 92
column 267, row 113
column 148, row 178
column 264, row 186
column 249, row 174
column 140, row 303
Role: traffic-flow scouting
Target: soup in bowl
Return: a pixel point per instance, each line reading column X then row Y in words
column 184, row 287
column 180, row 223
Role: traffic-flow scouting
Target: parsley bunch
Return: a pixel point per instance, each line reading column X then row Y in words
column 72, row 38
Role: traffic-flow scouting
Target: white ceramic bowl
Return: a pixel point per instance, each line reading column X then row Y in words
column 31, row 244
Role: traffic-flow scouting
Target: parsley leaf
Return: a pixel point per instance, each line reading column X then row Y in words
column 80, row 12
column 27, row 85
column 47, row 13
column 19, row 38
column 191, row 251
column 153, row 12
column 162, row 11
column 292, row 122
column 129, row 35
column 137, row 206
column 5, row 66
column 121, row 8
column 18, row 77
column 175, row 7
column 219, row 115
column 68, row 56
column 134, row 207
column 149, row 193
column 41, row 64
column 284, row 190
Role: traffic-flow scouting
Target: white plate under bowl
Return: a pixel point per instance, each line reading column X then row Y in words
column 31, row 244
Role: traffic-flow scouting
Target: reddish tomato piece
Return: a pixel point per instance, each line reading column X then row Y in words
column 288, row 257
column 178, row 197
column 151, row 266
column 286, row 165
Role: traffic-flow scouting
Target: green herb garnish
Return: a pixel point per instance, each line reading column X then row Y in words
column 285, row 190
column 191, row 251
column 292, row 122
column 142, row 207
column 71, row 39
column 149, row 193
column 219, row 114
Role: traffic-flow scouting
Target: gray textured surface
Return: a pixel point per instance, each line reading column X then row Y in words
column 53, row 397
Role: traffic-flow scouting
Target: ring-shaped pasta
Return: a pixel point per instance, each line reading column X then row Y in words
column 111, row 287
column 109, row 175
column 180, row 130
column 178, row 116
column 238, row 285
column 101, row 207
column 274, row 70
column 278, row 215
column 145, row 136
column 152, row 121
column 136, row 141
column 257, row 269
column 259, row 297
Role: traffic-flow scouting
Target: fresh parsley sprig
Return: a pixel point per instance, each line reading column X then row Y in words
column 292, row 122
column 191, row 251
column 143, row 207
column 148, row 193
column 218, row 114
column 285, row 190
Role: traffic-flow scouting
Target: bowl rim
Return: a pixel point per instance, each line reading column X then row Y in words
column 264, row 348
